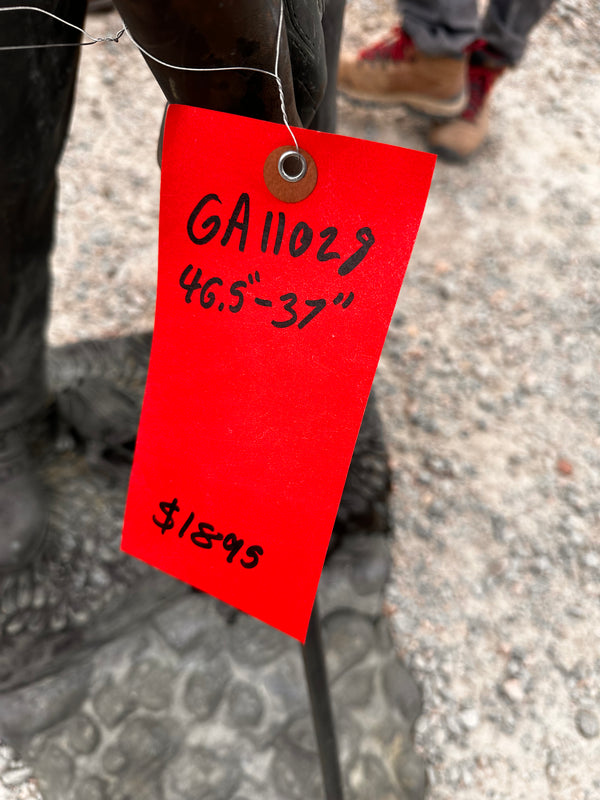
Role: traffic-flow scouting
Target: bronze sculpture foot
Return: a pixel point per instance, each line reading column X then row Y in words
column 23, row 516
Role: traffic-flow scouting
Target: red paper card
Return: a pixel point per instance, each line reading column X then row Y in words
column 270, row 320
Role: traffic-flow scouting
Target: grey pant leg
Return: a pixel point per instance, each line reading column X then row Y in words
column 446, row 27
column 507, row 25
column 440, row 27
column 36, row 92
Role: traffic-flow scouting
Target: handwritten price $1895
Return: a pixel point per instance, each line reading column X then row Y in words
column 205, row 536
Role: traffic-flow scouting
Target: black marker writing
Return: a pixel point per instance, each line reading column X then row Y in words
column 204, row 535
column 204, row 225
column 169, row 510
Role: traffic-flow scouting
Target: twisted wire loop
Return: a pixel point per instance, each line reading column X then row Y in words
column 124, row 30
column 92, row 39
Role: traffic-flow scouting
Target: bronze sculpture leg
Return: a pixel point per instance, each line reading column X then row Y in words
column 36, row 94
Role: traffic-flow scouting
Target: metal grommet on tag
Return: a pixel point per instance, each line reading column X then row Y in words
column 290, row 174
column 292, row 166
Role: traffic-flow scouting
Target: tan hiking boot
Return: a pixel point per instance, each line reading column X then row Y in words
column 460, row 138
column 394, row 71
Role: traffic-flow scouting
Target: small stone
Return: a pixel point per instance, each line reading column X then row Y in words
column 422, row 531
column 108, row 78
column 16, row 776
column 424, row 422
column 486, row 403
column 564, row 467
column 469, row 719
column 553, row 761
column 513, row 690
column 454, row 727
column 436, row 510
column 587, row 723
column 591, row 560
column 441, row 267
column 439, row 465
column 445, row 291
column 454, row 775
column 541, row 565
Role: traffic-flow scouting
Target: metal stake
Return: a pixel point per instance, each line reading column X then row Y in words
column 320, row 701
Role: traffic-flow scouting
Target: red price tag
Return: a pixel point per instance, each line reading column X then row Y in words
column 270, row 320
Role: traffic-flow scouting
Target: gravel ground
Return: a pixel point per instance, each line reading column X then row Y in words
column 488, row 385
